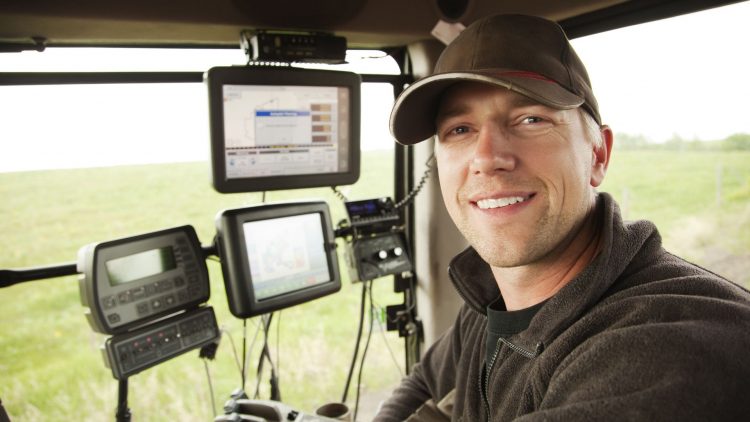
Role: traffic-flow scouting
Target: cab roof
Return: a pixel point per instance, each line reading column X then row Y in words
column 379, row 24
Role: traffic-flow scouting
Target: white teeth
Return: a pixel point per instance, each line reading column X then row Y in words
column 499, row 202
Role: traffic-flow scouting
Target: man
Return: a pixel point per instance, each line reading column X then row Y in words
column 570, row 313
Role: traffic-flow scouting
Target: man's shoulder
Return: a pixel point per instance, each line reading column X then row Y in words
column 674, row 301
column 670, row 312
column 663, row 273
column 666, row 296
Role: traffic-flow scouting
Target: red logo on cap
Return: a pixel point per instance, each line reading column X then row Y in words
column 529, row 75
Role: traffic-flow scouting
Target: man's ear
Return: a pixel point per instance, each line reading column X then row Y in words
column 600, row 156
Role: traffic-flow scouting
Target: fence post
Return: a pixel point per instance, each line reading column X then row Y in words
column 719, row 171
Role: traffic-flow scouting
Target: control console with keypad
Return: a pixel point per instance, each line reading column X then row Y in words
column 127, row 282
column 130, row 353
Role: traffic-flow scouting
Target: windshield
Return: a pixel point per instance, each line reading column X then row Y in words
column 84, row 163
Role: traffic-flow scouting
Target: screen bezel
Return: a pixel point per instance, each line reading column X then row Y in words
column 236, row 266
column 216, row 78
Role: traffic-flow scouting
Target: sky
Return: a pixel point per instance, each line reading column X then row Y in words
column 685, row 77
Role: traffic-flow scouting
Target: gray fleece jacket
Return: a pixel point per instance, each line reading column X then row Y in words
column 639, row 335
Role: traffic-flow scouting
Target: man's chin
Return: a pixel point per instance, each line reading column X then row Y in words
column 505, row 256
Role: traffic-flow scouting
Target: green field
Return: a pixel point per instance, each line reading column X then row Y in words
column 50, row 363
column 700, row 201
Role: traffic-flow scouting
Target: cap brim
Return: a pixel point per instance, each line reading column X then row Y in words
column 413, row 114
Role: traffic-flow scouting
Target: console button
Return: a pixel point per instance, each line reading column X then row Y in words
column 109, row 302
column 113, row 318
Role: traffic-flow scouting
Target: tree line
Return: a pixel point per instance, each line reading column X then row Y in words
column 735, row 142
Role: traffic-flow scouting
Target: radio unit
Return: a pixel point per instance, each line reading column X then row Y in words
column 291, row 47
column 372, row 215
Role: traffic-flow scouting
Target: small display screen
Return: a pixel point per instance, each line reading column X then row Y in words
column 367, row 208
column 286, row 254
column 141, row 265
column 283, row 130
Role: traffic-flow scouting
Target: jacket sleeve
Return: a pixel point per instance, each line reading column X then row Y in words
column 432, row 378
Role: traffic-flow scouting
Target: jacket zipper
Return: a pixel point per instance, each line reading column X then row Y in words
column 518, row 349
column 486, row 381
column 483, row 384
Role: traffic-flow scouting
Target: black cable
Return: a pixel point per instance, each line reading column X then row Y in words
column 278, row 336
column 252, row 345
column 208, row 352
column 385, row 338
column 261, row 359
column 274, row 381
column 390, row 351
column 266, row 355
column 244, row 352
column 410, row 196
column 364, row 354
column 210, row 387
column 339, row 194
column 234, row 350
column 356, row 343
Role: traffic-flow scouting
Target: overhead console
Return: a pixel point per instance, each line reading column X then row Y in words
column 283, row 128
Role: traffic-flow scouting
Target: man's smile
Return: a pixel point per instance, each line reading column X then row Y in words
column 490, row 203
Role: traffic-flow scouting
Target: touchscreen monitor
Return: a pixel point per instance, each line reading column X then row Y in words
column 283, row 128
column 276, row 255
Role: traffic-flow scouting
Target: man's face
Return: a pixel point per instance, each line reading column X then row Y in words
column 516, row 176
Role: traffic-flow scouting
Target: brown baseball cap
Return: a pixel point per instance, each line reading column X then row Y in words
column 526, row 54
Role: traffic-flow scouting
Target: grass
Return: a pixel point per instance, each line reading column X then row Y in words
column 700, row 201
column 50, row 361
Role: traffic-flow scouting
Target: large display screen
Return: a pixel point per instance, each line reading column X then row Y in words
column 283, row 128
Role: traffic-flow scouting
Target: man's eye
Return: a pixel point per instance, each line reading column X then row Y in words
column 530, row 120
column 459, row 130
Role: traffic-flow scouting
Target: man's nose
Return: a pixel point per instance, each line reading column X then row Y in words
column 493, row 151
